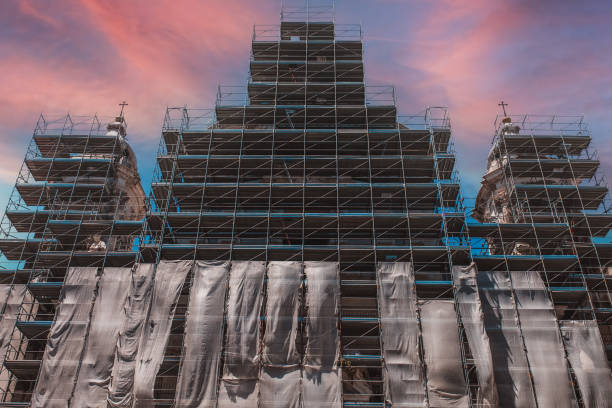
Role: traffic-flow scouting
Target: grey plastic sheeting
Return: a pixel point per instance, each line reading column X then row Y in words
column 586, row 355
column 66, row 339
column 509, row 360
column 239, row 383
column 321, row 380
column 133, row 316
column 279, row 387
column 403, row 375
column 282, row 312
column 94, row 375
column 203, row 340
column 446, row 386
column 5, row 289
column 5, row 331
column 281, row 375
column 472, row 318
column 542, row 340
column 12, row 297
column 169, row 279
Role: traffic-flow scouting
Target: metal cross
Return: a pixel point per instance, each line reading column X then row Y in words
column 503, row 105
column 123, row 105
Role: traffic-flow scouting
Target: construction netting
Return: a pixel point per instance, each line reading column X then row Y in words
column 5, row 290
column 471, row 315
column 281, row 376
column 403, row 363
column 168, row 283
column 586, row 355
column 510, row 365
column 542, row 340
column 66, row 339
column 446, row 385
column 529, row 347
column 239, row 383
column 133, row 315
column 197, row 379
column 321, row 379
column 253, row 335
column 11, row 298
column 106, row 321
column 257, row 334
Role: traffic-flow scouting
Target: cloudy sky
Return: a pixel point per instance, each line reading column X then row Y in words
column 86, row 56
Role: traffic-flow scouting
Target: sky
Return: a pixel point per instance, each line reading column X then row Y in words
column 86, row 56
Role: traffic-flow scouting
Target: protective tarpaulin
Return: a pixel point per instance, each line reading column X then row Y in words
column 403, row 372
column 94, row 375
column 280, row 377
column 66, row 339
column 585, row 352
column 12, row 298
column 542, row 340
column 321, row 382
column 197, row 380
column 321, row 388
column 279, row 387
column 446, row 386
column 133, row 316
column 239, row 383
column 169, row 279
column 509, row 360
column 282, row 312
column 472, row 318
column 5, row 289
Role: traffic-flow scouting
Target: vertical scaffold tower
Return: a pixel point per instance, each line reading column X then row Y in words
column 310, row 164
column 77, row 202
column 544, row 209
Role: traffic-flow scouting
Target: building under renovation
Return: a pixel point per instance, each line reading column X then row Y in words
column 305, row 245
column 77, row 208
column 544, row 267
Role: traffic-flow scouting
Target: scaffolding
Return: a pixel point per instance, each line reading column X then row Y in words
column 304, row 244
column 308, row 163
column 77, row 201
column 544, row 208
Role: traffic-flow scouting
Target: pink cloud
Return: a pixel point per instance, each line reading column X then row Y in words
column 27, row 8
column 86, row 56
column 481, row 51
column 161, row 39
column 544, row 58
